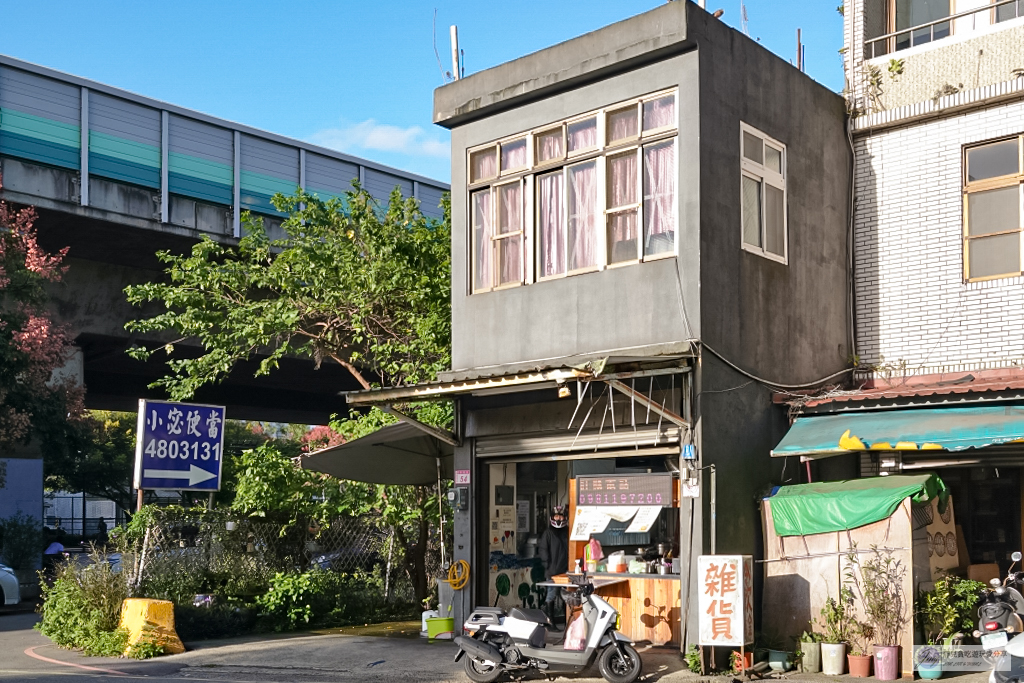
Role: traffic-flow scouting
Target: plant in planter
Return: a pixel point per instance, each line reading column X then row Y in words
column 779, row 659
column 944, row 615
column 740, row 664
column 836, row 622
column 878, row 583
column 861, row 635
column 809, row 645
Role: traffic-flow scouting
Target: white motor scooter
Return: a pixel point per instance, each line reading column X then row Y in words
column 500, row 642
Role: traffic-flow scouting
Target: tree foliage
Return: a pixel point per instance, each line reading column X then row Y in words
column 96, row 457
column 32, row 345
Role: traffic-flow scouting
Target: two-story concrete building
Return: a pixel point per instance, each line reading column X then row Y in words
column 651, row 224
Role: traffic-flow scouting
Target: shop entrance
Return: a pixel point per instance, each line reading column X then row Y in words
column 987, row 504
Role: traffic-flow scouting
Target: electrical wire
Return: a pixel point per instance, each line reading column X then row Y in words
column 769, row 383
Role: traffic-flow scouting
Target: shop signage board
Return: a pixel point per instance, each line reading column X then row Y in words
column 726, row 599
column 179, row 446
column 624, row 489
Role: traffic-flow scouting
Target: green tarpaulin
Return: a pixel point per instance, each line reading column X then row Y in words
column 838, row 505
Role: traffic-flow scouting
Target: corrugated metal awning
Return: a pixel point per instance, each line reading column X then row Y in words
column 645, row 437
column 932, row 429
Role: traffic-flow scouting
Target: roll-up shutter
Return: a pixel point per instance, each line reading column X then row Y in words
column 267, row 168
column 201, row 160
column 39, row 119
column 646, row 437
column 124, row 141
column 328, row 178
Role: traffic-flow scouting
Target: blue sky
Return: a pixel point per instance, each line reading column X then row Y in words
column 354, row 76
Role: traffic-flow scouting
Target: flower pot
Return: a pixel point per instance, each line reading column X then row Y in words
column 887, row 662
column 748, row 661
column 833, row 658
column 780, row 660
column 810, row 663
column 860, row 665
column 929, row 662
column 930, row 672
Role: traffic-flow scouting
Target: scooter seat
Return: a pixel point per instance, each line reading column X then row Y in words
column 535, row 615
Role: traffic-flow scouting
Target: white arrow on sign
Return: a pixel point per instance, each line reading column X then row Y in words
column 195, row 475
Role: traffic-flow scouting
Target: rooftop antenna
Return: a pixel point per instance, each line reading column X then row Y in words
column 743, row 18
column 799, row 52
column 455, row 52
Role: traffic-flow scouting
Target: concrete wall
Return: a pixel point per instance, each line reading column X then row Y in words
column 913, row 305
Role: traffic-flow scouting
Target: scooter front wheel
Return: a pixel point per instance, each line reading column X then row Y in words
column 619, row 668
column 480, row 672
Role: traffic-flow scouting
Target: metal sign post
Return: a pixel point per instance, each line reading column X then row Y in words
column 179, row 446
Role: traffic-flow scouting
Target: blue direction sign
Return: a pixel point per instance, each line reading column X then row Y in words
column 179, row 446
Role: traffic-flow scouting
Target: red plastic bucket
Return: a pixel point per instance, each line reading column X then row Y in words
column 887, row 662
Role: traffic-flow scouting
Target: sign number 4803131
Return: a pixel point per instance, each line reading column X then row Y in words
column 170, row 448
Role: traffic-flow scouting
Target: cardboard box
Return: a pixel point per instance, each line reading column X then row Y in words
column 983, row 572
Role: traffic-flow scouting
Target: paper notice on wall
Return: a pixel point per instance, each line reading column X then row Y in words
column 644, row 519
column 523, row 516
column 588, row 521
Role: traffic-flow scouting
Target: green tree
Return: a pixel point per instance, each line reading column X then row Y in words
column 97, row 457
column 351, row 282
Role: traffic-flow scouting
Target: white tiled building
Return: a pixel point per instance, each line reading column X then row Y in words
column 939, row 184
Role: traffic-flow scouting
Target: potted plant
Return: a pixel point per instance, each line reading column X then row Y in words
column 878, row 583
column 944, row 614
column 779, row 659
column 836, row 617
column 741, row 664
column 810, row 652
column 860, row 662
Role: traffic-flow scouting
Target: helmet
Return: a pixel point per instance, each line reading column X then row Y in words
column 558, row 520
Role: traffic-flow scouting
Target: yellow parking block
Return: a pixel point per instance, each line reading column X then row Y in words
column 151, row 619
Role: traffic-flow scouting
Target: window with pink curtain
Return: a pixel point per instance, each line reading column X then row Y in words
column 582, row 134
column 509, row 240
column 660, row 113
column 550, row 145
column 659, row 198
column 622, row 124
column 622, row 208
column 513, row 155
column 482, row 233
column 551, row 224
column 583, row 215
column 483, row 164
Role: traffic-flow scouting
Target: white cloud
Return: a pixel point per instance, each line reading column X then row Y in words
column 382, row 137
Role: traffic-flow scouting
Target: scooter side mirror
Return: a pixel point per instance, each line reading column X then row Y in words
column 995, row 583
column 1016, row 557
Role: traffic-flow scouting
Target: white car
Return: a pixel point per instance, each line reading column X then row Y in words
column 10, row 594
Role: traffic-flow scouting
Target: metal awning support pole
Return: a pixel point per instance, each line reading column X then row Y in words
column 440, row 511
column 441, row 434
column 648, row 402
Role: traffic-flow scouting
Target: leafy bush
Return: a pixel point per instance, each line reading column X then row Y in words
column 82, row 608
column 21, row 540
column 947, row 610
column 217, row 621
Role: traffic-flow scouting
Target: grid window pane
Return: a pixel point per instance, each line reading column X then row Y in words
column 622, row 237
column 660, row 198
column 513, row 155
column 510, row 260
column 992, row 161
column 659, row 113
column 1010, row 11
column 996, row 255
column 773, row 159
column 482, row 234
column 993, row 211
column 583, row 216
column 510, row 208
column 622, row 124
column 551, row 237
column 774, row 221
column 751, row 207
column 582, row 135
column 753, row 148
column 550, row 146
column 622, row 185
column 483, row 164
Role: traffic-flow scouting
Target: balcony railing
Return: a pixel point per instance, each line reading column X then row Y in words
column 1004, row 10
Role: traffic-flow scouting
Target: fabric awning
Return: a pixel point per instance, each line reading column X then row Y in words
column 909, row 429
column 820, row 508
column 395, row 454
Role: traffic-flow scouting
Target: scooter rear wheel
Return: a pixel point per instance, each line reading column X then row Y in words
column 616, row 668
column 480, row 672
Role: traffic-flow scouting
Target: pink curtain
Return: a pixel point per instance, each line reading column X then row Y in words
column 660, row 113
column 659, row 197
column 582, row 215
column 513, row 155
column 482, row 233
column 551, row 226
column 622, row 124
column 483, row 164
column 549, row 146
column 622, row 191
column 510, row 220
column 582, row 134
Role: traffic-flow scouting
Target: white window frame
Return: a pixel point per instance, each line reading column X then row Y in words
column 766, row 176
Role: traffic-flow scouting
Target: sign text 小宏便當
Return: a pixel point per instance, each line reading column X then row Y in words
column 179, row 446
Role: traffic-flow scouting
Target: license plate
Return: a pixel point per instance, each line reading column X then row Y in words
column 991, row 641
